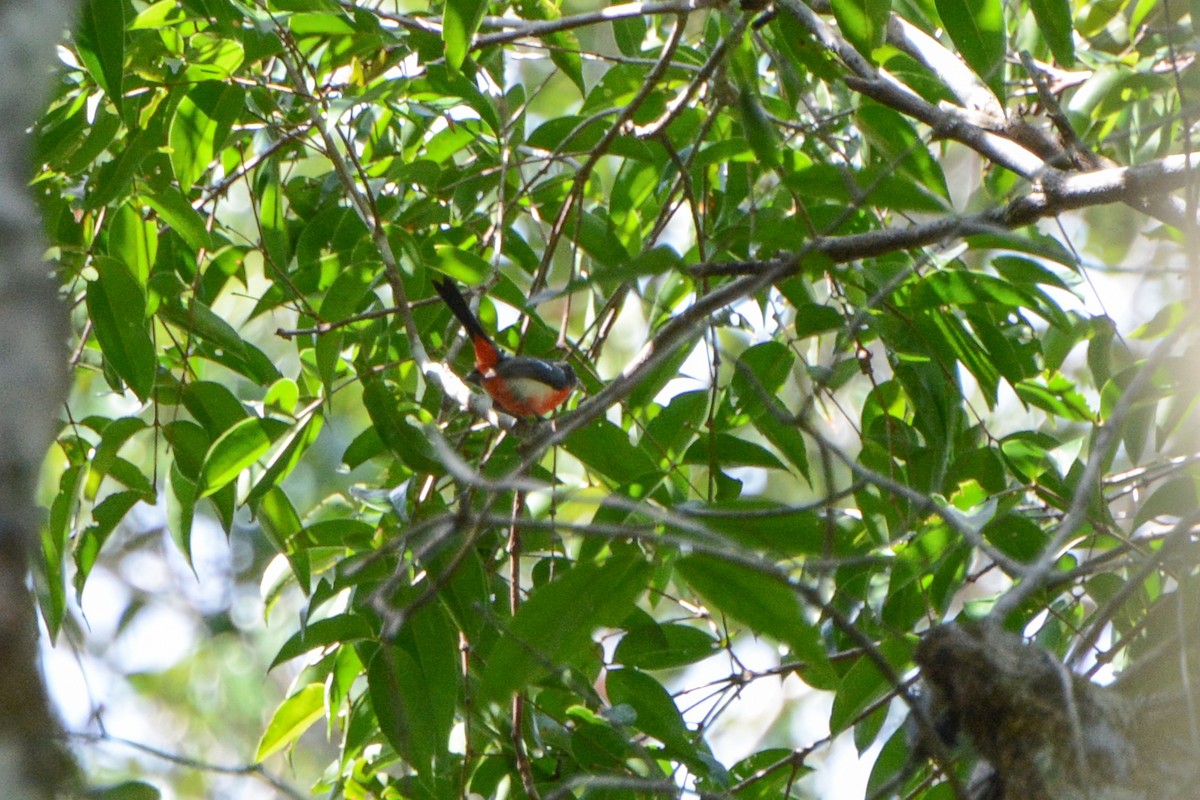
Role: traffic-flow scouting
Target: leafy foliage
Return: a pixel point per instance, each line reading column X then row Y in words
column 873, row 387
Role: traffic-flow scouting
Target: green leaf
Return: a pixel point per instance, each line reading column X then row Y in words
column 1054, row 21
column 320, row 24
column 129, row 790
column 762, row 371
column 105, row 517
column 405, row 441
column 977, row 29
column 294, row 716
column 1178, row 497
column 564, row 52
column 236, row 449
column 664, row 646
column 100, row 41
column 761, row 601
column 322, row 633
column 813, row 319
column 181, row 509
column 213, row 406
column 199, row 319
column 212, row 58
column 553, row 627
column 629, row 33
column 117, row 307
column 731, row 451
column 297, row 442
column 676, row 426
column 657, row 714
column 605, row 448
column 460, row 21
column 902, row 146
column 133, row 240
column 760, row 131
column 112, row 438
column 54, row 546
column 178, row 213
column 864, row 684
column 863, row 22
column 199, row 127
column 414, row 690
column 1057, row 395
column 281, row 524
column 272, row 216
column 157, row 15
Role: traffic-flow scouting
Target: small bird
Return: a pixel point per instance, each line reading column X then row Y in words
column 520, row 385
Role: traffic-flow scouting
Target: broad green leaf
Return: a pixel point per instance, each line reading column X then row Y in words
column 629, row 33
column 405, row 441
column 568, row 134
column 100, row 42
column 977, row 29
column 664, row 646
column 281, row 524
column 813, row 319
column 605, row 448
column 1054, row 21
column 657, row 715
column 553, row 627
column 322, row 633
column 863, row 22
column 864, row 684
column 902, row 147
column 100, row 136
column 1057, row 395
column 178, row 213
column 1016, row 536
column 762, row 371
column 731, row 451
column 762, row 602
column 105, row 517
column 676, row 426
column 564, row 52
column 760, row 131
column 114, row 436
column 199, row 127
column 460, row 21
column 116, row 305
column 294, row 716
column 54, row 547
column 133, row 241
column 320, row 23
column 272, row 217
column 156, row 15
column 414, row 688
column 236, row 449
column 129, row 790
column 213, row 406
column 296, row 444
column 212, row 58
column 181, row 509
column 1178, row 497
column 114, row 178
column 345, row 297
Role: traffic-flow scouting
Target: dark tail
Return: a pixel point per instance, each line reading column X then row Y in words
column 458, row 305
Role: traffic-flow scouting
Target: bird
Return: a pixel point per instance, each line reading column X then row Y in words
column 522, row 386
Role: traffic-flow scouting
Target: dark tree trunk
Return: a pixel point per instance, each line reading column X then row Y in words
column 33, row 379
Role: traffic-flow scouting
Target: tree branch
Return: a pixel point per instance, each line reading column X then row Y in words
column 1054, row 193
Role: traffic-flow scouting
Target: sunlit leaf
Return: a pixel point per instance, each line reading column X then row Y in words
column 117, row 306
column 294, row 716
